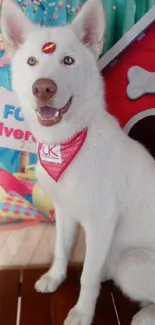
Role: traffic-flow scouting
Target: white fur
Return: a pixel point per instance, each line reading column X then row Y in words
column 110, row 187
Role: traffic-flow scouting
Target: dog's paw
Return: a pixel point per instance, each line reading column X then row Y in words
column 145, row 316
column 76, row 317
column 47, row 283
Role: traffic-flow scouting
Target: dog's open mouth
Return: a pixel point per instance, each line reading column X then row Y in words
column 48, row 115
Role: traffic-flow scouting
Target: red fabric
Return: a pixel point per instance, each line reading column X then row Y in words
column 56, row 158
column 10, row 183
column 140, row 53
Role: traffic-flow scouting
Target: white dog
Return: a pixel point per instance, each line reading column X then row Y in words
column 98, row 176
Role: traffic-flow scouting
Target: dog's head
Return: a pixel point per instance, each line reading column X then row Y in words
column 54, row 70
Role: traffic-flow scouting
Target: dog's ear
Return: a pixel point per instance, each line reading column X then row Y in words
column 89, row 25
column 15, row 25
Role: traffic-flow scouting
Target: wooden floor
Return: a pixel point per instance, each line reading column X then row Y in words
column 44, row 309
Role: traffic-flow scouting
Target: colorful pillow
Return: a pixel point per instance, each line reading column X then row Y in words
column 22, row 201
column 16, row 211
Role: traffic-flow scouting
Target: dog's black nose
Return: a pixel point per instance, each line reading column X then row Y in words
column 44, row 89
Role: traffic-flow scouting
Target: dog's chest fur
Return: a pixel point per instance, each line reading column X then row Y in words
column 85, row 184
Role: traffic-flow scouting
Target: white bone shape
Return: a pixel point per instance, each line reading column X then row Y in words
column 141, row 82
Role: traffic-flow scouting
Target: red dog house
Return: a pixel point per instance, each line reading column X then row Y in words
column 129, row 74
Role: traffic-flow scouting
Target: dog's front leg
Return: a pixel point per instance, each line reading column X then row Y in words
column 65, row 233
column 98, row 241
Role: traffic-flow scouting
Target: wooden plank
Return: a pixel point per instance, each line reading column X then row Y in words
column 34, row 306
column 105, row 313
column 126, row 309
column 66, row 297
column 9, row 287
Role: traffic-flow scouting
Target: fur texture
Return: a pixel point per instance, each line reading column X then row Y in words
column 110, row 187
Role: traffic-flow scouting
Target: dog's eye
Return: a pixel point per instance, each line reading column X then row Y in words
column 32, row 61
column 68, row 60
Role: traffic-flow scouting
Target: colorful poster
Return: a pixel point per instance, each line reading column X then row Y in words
column 14, row 131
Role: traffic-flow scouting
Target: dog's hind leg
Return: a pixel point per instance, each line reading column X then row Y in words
column 146, row 316
column 135, row 274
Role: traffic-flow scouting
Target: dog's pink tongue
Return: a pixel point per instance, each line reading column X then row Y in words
column 48, row 112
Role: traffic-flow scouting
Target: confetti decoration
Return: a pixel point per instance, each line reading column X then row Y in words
column 55, row 16
column 52, row 4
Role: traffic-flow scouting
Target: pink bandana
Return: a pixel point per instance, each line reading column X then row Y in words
column 56, row 158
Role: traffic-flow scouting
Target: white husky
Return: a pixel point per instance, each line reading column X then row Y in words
column 98, row 177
